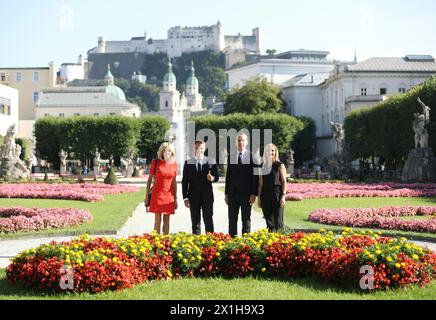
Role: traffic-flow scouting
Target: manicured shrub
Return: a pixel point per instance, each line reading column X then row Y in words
column 111, row 178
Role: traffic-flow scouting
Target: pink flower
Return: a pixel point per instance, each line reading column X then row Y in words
column 86, row 192
column 34, row 219
column 383, row 218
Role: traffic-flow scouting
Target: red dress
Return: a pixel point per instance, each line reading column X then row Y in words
column 162, row 198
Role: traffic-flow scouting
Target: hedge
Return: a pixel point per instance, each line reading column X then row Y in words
column 284, row 127
column 112, row 135
column 385, row 130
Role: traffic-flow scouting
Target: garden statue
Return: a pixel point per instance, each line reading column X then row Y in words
column 419, row 123
column 96, row 162
column 12, row 166
column 63, row 160
column 63, row 157
column 9, row 145
column 96, row 158
column 420, row 165
column 338, row 135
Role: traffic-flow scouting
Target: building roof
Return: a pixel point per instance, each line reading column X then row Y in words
column 405, row 64
column 306, row 80
column 81, row 97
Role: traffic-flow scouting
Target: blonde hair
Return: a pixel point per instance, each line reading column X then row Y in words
column 267, row 150
column 163, row 147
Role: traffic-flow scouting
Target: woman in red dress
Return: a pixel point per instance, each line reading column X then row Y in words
column 163, row 202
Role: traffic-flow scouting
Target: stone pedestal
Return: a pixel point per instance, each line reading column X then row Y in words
column 420, row 166
column 96, row 171
column 129, row 171
column 14, row 168
column 63, row 170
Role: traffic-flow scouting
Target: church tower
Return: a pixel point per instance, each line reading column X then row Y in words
column 170, row 104
column 193, row 97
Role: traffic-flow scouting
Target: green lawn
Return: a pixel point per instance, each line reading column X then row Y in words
column 226, row 289
column 109, row 215
column 297, row 212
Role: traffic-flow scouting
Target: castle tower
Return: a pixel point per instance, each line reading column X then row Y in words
column 193, row 97
column 220, row 35
column 101, row 48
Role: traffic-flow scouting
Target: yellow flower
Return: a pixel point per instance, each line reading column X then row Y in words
column 397, row 265
column 415, row 257
column 180, row 255
column 378, row 252
column 217, row 254
column 263, row 269
column 185, row 261
column 388, row 259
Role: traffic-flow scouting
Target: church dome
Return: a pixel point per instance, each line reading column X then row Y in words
column 192, row 79
column 116, row 92
column 111, row 88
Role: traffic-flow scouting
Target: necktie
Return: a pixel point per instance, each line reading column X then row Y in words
column 240, row 158
column 198, row 167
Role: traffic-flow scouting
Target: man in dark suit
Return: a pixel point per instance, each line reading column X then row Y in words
column 198, row 175
column 241, row 185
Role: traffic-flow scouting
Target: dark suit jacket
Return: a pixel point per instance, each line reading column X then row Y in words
column 242, row 178
column 195, row 186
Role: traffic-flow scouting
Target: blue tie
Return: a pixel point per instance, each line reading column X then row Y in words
column 198, row 167
column 240, row 158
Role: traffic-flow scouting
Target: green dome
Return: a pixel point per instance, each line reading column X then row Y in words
column 169, row 76
column 192, row 79
column 116, row 92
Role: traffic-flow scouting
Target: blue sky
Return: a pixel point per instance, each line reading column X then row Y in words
column 36, row 32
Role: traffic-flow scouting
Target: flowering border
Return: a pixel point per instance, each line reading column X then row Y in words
column 111, row 264
column 382, row 218
column 18, row 219
column 86, row 191
column 301, row 191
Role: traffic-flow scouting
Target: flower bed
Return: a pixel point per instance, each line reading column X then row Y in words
column 301, row 191
column 87, row 191
column 33, row 219
column 383, row 218
column 105, row 264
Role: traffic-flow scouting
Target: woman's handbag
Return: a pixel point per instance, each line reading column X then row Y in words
column 151, row 188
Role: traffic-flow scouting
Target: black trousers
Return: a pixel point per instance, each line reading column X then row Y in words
column 272, row 212
column 237, row 202
column 207, row 209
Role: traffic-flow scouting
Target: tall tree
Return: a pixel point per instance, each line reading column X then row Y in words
column 255, row 97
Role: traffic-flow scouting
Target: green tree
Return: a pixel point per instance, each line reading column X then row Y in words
column 151, row 134
column 146, row 96
column 255, row 97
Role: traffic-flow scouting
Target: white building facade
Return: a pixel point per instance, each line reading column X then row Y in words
column 282, row 68
column 350, row 87
column 8, row 108
column 73, row 71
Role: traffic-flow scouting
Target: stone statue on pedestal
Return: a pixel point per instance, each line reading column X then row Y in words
column 96, row 162
column 421, row 164
column 63, row 161
column 338, row 135
column 419, row 123
column 12, row 166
